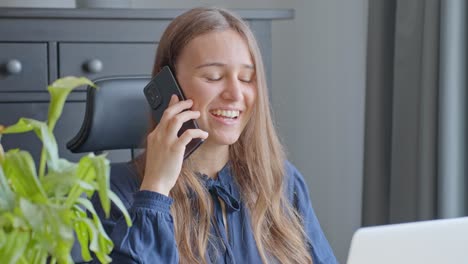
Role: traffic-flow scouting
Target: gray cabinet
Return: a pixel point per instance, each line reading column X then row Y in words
column 38, row 46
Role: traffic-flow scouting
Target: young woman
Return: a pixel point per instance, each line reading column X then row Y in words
column 235, row 199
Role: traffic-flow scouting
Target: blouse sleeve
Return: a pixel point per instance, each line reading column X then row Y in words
column 150, row 239
column 299, row 194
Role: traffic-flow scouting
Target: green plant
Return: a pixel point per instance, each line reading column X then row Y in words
column 41, row 211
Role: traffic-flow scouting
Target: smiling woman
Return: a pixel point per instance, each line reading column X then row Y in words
column 217, row 70
column 235, row 199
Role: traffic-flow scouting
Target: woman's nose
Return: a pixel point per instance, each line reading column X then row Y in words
column 232, row 90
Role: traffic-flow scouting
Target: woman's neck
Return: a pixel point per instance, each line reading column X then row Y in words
column 209, row 159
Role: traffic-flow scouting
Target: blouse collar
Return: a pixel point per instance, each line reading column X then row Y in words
column 223, row 187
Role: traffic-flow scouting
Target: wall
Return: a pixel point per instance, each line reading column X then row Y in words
column 318, row 91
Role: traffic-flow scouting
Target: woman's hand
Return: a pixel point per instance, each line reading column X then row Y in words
column 165, row 150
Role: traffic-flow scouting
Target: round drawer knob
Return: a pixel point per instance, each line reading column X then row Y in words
column 94, row 66
column 13, row 67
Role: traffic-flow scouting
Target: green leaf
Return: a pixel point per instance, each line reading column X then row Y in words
column 85, row 172
column 64, row 166
column 42, row 131
column 99, row 244
column 88, row 169
column 101, row 166
column 115, row 199
column 104, row 243
column 87, row 186
column 23, row 260
column 81, row 231
column 70, row 83
column 20, row 127
column 92, row 231
column 34, row 214
column 62, row 251
column 11, row 220
column 7, row 198
column 14, row 246
column 88, row 206
column 2, row 152
column 3, row 238
column 59, row 91
column 33, row 254
column 59, row 183
column 51, row 228
column 21, row 172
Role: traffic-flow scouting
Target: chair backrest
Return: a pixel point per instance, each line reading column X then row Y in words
column 117, row 115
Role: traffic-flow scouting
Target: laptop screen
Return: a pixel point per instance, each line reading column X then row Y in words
column 425, row 242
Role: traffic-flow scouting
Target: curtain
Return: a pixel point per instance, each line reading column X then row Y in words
column 415, row 111
column 453, row 108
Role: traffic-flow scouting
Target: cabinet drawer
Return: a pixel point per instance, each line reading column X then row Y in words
column 23, row 67
column 95, row 60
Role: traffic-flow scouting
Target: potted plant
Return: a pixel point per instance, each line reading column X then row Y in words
column 42, row 211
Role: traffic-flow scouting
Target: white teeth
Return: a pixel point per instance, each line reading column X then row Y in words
column 226, row 113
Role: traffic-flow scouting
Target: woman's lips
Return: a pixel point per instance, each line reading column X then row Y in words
column 224, row 119
column 227, row 113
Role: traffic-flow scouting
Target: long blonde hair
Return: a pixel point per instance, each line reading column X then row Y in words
column 257, row 160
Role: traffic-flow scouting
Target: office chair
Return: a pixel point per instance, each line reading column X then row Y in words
column 116, row 117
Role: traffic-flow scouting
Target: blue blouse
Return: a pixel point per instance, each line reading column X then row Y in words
column 151, row 237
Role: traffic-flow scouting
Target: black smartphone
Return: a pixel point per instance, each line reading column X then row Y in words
column 158, row 93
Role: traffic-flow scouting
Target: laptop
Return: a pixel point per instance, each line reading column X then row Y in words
column 426, row 242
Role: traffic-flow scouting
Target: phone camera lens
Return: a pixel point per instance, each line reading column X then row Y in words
column 151, row 95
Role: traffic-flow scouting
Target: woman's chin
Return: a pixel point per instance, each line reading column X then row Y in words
column 224, row 140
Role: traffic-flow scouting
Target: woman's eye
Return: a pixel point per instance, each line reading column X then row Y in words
column 213, row 78
column 245, row 80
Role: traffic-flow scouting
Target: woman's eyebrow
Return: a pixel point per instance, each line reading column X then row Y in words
column 219, row 64
column 211, row 64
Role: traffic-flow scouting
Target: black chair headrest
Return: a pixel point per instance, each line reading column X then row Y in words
column 117, row 115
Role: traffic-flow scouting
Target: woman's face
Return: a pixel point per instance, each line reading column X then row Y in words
column 216, row 71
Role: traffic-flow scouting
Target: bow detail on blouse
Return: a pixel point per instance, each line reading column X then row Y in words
column 216, row 188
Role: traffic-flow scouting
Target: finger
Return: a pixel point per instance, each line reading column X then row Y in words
column 178, row 120
column 174, row 99
column 176, row 108
column 190, row 134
